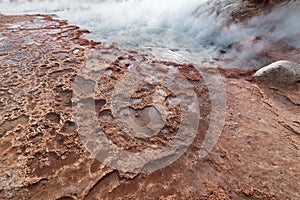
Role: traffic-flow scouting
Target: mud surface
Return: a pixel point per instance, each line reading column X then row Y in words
column 43, row 157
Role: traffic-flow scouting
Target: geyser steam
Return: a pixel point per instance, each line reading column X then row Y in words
column 195, row 18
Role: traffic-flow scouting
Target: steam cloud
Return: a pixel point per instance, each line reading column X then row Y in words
column 195, row 18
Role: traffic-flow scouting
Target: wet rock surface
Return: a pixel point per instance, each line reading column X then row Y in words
column 43, row 156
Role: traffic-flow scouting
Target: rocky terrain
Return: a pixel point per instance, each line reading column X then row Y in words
column 43, row 155
column 250, row 8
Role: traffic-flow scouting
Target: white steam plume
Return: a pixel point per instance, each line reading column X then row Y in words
column 195, row 18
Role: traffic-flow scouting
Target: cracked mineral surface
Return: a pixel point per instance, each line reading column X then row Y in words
column 42, row 153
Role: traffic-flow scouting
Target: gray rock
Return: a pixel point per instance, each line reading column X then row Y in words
column 279, row 72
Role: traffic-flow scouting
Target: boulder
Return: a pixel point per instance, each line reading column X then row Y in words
column 279, row 72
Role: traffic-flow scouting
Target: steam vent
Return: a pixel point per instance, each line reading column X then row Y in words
column 149, row 100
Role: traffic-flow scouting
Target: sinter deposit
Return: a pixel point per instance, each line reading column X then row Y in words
column 49, row 72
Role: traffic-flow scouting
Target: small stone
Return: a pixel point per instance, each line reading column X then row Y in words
column 76, row 51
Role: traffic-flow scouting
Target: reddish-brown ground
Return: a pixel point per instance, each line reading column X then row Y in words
column 42, row 157
column 250, row 8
